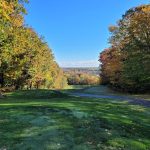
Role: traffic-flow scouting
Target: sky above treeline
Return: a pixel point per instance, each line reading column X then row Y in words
column 76, row 30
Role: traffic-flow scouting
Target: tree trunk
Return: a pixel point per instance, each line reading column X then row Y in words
column 2, row 79
column 30, row 86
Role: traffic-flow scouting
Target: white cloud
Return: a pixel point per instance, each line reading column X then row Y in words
column 87, row 63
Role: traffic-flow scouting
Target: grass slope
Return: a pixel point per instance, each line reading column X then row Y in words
column 49, row 120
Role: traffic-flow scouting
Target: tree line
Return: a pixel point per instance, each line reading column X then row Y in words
column 81, row 78
column 125, row 64
column 25, row 58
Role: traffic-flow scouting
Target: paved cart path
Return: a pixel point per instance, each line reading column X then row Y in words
column 137, row 101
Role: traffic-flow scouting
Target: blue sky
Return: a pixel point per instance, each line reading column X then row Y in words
column 76, row 30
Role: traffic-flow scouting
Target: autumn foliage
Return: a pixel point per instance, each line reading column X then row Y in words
column 81, row 78
column 125, row 64
column 25, row 58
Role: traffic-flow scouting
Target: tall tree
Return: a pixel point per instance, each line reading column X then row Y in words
column 131, row 38
column 25, row 58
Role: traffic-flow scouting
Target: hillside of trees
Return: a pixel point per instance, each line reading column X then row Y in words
column 26, row 61
column 88, row 70
column 125, row 64
column 82, row 76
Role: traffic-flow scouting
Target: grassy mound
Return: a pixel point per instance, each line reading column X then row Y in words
column 37, row 94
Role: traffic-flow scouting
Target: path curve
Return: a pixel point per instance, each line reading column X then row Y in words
column 137, row 101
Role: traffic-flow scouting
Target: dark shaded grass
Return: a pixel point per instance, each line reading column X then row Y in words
column 37, row 94
column 71, row 123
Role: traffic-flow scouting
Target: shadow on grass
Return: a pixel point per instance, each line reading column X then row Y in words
column 37, row 94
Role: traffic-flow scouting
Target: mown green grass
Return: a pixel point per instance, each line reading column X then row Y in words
column 42, row 119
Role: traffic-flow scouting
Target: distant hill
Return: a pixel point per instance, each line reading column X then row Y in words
column 88, row 70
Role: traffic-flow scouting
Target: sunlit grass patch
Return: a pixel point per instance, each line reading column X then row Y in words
column 134, row 144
